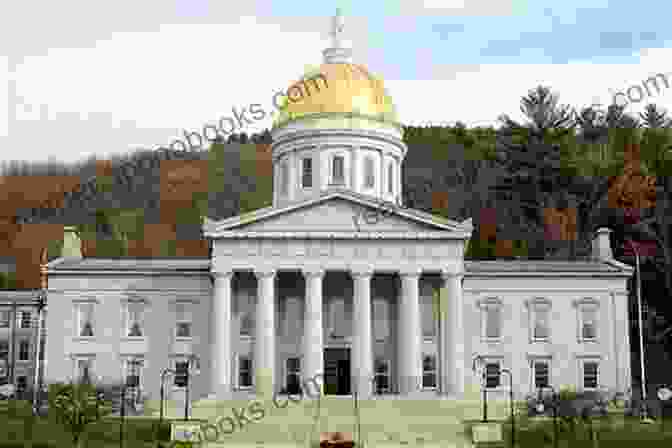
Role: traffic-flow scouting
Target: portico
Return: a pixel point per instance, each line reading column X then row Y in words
column 354, row 259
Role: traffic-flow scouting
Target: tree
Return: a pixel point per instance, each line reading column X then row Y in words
column 76, row 405
column 531, row 154
column 653, row 117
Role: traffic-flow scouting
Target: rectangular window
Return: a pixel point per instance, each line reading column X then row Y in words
column 4, row 349
column 369, row 179
column 84, row 368
column 492, row 374
column 134, row 319
column 390, row 179
column 382, row 375
column 590, row 372
column 589, row 323
column 338, row 170
column 85, row 319
column 21, row 383
column 307, row 173
column 25, row 319
column 181, row 367
column 133, row 373
column 24, row 350
column 4, row 318
column 293, row 377
column 541, row 374
column 183, row 320
column 493, row 322
column 244, row 372
column 541, row 324
column 429, row 372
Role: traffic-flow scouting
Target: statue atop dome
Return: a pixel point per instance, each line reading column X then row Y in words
column 337, row 26
column 338, row 52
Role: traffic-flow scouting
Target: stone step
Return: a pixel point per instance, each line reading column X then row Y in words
column 384, row 422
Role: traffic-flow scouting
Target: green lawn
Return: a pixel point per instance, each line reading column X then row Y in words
column 19, row 429
column 610, row 432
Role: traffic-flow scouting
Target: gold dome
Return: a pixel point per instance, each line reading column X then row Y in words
column 338, row 89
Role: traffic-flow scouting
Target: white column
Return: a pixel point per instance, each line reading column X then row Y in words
column 264, row 342
column 355, row 181
column 313, row 355
column 451, row 339
column 362, row 353
column 220, row 324
column 409, row 342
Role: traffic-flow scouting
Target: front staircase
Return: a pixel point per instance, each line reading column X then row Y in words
column 386, row 421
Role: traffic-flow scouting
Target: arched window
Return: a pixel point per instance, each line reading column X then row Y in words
column 369, row 180
column 338, row 170
column 390, row 180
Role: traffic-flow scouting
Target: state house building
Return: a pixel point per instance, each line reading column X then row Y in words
column 301, row 288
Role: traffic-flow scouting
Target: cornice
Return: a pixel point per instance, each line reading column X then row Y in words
column 312, row 137
column 205, row 292
column 440, row 235
column 127, row 273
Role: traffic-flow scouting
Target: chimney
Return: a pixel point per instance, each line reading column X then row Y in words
column 602, row 245
column 72, row 245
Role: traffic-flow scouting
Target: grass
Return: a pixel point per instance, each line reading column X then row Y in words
column 18, row 428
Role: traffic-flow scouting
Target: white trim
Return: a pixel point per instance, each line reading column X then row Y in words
column 584, row 305
column 485, row 305
column 76, row 305
column 531, row 362
column 495, row 359
column 585, row 359
column 535, row 306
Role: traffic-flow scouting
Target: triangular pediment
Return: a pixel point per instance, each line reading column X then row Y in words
column 336, row 213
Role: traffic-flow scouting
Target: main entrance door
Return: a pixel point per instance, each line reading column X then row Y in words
column 337, row 371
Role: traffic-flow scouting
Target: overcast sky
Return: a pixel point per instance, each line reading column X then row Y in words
column 89, row 77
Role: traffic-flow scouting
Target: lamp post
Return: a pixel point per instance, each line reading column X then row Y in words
column 477, row 363
column 196, row 364
column 644, row 412
column 164, row 372
column 554, row 406
column 513, row 419
column 129, row 381
column 37, row 384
